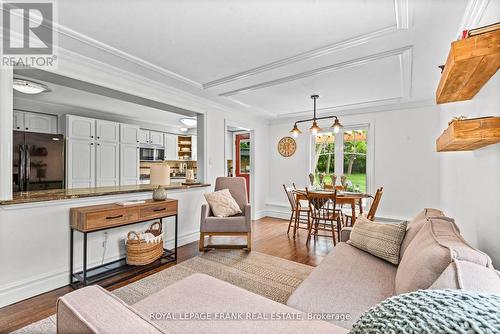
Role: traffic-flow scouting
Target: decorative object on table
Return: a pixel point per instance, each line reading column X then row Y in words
column 321, row 180
column 433, row 311
column 144, row 248
column 343, row 181
column 189, row 176
column 315, row 128
column 311, row 179
column 160, row 176
column 287, row 146
column 379, row 239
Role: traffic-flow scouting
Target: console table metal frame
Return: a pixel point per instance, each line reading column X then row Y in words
column 83, row 278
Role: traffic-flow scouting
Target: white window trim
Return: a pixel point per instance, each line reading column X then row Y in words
column 339, row 143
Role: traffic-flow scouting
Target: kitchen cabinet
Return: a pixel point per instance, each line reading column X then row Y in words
column 156, row 138
column 129, row 164
column 194, row 147
column 107, row 164
column 171, row 146
column 107, row 131
column 34, row 122
column 18, row 120
column 143, row 136
column 80, row 127
column 80, row 163
column 129, row 134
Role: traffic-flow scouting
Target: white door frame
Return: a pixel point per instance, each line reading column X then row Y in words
column 228, row 123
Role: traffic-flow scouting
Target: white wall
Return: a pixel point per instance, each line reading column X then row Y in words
column 470, row 181
column 405, row 160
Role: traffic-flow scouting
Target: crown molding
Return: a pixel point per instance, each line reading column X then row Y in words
column 68, row 32
column 473, row 13
column 82, row 38
column 401, row 12
column 322, row 70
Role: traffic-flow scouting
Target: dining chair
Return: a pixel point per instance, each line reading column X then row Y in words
column 297, row 211
column 371, row 213
column 324, row 215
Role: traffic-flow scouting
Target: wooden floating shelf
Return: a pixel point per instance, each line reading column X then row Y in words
column 470, row 64
column 469, row 134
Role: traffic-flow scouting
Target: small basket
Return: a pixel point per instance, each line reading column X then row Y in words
column 142, row 252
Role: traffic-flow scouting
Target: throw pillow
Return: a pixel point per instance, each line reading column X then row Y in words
column 222, row 203
column 433, row 311
column 382, row 240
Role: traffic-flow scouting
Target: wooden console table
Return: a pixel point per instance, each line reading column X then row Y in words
column 89, row 219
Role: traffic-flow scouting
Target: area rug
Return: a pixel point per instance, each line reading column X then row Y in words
column 266, row 275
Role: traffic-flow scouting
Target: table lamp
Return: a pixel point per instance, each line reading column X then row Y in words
column 160, row 176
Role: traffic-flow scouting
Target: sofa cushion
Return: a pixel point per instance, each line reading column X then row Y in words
column 382, row 240
column 434, row 248
column 200, row 295
column 226, row 224
column 347, row 281
column 416, row 224
column 469, row 276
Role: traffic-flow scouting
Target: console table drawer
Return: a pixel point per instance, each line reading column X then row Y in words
column 98, row 220
column 158, row 209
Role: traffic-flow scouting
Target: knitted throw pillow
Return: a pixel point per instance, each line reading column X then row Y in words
column 222, row 203
column 433, row 311
column 382, row 240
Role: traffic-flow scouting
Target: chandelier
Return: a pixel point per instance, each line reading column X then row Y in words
column 315, row 128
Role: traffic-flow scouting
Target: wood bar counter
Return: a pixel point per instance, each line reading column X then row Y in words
column 94, row 218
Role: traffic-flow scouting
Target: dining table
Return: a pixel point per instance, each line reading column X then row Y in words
column 343, row 197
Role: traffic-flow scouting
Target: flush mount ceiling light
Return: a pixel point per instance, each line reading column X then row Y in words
column 315, row 128
column 183, row 129
column 29, row 87
column 189, row 122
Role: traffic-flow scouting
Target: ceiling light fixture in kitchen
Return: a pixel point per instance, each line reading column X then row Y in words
column 189, row 122
column 29, row 87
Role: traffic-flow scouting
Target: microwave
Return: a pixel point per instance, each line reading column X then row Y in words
column 151, row 154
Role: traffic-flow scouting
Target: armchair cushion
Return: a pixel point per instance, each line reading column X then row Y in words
column 222, row 203
column 225, row 224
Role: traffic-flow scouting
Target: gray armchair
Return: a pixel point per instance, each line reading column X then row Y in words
column 239, row 225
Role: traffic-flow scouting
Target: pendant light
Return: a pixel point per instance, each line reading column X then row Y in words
column 314, row 129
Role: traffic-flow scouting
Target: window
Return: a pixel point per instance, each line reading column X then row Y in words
column 344, row 155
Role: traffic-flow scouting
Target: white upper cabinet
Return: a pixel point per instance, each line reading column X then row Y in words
column 194, row 147
column 129, row 164
column 129, row 134
column 34, row 122
column 156, row 138
column 171, row 146
column 143, row 137
column 107, row 164
column 80, row 127
column 18, row 120
column 107, row 131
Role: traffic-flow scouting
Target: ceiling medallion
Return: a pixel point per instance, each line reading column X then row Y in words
column 315, row 128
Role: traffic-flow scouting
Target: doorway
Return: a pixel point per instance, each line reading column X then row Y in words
column 242, row 149
column 239, row 155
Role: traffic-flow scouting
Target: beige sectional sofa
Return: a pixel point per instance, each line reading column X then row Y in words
column 347, row 283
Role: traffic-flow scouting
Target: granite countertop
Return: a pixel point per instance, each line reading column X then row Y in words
column 60, row 194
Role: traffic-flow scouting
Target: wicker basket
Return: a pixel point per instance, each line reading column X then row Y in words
column 141, row 252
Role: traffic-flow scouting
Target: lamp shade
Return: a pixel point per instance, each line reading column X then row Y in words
column 160, row 175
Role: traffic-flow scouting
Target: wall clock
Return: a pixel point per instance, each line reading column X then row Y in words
column 287, row 146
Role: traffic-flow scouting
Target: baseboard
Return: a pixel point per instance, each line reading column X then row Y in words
column 32, row 286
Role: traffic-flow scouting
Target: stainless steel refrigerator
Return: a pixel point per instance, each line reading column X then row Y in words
column 38, row 161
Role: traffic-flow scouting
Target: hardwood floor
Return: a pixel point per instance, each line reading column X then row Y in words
column 268, row 236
